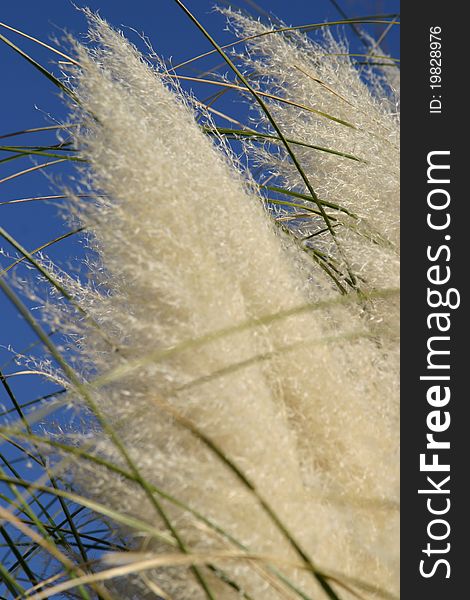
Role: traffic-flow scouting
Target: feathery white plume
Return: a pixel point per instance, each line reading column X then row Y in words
column 320, row 75
column 218, row 318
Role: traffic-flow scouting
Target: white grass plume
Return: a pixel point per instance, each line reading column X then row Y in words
column 305, row 405
column 321, row 75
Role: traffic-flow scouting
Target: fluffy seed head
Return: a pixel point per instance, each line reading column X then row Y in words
column 214, row 317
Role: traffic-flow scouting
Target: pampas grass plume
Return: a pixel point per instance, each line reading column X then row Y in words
column 215, row 314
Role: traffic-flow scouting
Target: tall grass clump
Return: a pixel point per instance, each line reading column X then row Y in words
column 239, row 399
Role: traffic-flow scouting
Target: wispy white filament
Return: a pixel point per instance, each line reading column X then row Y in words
column 198, row 288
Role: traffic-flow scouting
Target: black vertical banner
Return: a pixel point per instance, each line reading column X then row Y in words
column 435, row 225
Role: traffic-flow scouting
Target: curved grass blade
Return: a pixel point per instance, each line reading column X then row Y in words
column 31, row 402
column 21, row 505
column 21, row 562
column 52, row 280
column 233, row 86
column 36, row 130
column 40, row 68
column 43, row 463
column 100, row 461
column 45, row 198
column 74, row 570
column 44, row 272
column 11, row 583
column 31, row 169
column 122, row 371
column 276, row 128
column 42, row 247
column 246, row 482
column 36, row 519
column 136, row 566
column 373, row 20
column 368, row 55
column 43, row 44
column 20, row 152
column 295, row 205
column 280, row 190
column 96, row 507
column 103, row 422
column 237, row 133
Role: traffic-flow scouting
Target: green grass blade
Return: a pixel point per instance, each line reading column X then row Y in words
column 107, row 428
column 40, row 68
column 275, row 126
column 237, row 133
column 40, row 43
column 42, row 247
column 267, row 95
column 22, row 153
column 281, row 190
column 372, row 20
